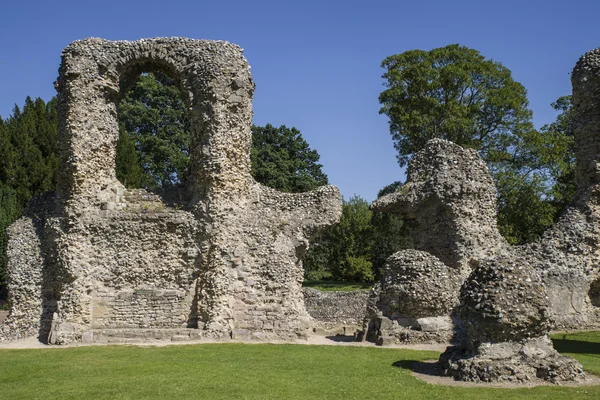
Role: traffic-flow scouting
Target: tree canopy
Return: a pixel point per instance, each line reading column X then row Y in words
column 283, row 160
column 152, row 112
column 453, row 93
column 153, row 148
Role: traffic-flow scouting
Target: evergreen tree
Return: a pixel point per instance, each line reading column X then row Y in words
column 128, row 167
column 31, row 157
column 283, row 160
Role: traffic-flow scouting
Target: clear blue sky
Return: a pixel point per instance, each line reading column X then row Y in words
column 316, row 64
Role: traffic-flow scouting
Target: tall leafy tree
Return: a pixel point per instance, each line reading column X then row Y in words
column 456, row 94
column 154, row 115
column 560, row 146
column 539, row 183
column 453, row 93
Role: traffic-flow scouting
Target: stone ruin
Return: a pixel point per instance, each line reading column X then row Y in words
column 506, row 314
column 217, row 258
column 510, row 296
column 449, row 204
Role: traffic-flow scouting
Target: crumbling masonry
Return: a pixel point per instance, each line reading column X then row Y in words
column 510, row 296
column 218, row 257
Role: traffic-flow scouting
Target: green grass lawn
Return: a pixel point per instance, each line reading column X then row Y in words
column 334, row 286
column 253, row 371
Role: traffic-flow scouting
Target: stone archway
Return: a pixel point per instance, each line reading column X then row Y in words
column 227, row 264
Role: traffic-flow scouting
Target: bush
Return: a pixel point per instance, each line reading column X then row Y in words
column 357, row 269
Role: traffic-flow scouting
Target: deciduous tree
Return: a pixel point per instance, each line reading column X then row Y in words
column 456, row 94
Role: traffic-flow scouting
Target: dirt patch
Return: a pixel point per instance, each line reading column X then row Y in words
column 32, row 343
column 3, row 315
column 428, row 372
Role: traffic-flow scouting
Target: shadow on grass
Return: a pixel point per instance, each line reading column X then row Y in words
column 421, row 367
column 340, row 338
column 565, row 345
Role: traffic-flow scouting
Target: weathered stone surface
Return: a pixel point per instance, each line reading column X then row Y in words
column 518, row 362
column 413, row 300
column 505, row 312
column 435, row 324
column 449, row 204
column 336, row 308
column 416, row 284
column 25, row 288
column 504, row 300
column 219, row 254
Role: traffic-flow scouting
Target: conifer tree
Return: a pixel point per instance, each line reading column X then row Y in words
column 128, row 167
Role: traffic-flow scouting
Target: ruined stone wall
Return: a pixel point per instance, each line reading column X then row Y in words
column 336, row 308
column 24, row 285
column 225, row 259
column 567, row 256
column 449, row 203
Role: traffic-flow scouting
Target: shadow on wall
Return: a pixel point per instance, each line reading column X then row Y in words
column 594, row 293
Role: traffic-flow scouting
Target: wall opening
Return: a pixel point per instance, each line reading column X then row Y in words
column 153, row 149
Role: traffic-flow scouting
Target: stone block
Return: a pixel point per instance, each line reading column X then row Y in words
column 435, row 324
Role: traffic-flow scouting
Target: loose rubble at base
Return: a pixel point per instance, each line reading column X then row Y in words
column 216, row 258
column 505, row 313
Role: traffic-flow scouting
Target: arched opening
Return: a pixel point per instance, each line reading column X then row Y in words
column 153, row 149
column 149, row 254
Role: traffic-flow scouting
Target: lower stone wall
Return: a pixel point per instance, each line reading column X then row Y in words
column 142, row 308
column 24, row 284
column 342, row 308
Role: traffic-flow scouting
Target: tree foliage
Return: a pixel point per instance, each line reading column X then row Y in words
column 356, row 248
column 456, row 94
column 152, row 112
column 127, row 163
column 154, row 116
column 283, row 160
column 344, row 251
column 539, row 183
